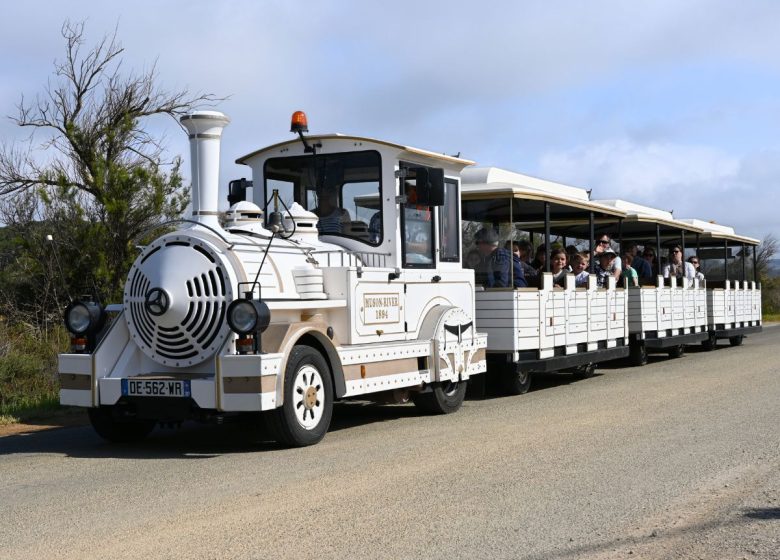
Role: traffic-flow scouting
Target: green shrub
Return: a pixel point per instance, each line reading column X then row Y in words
column 28, row 365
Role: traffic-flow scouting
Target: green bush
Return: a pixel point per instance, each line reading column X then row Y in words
column 28, row 365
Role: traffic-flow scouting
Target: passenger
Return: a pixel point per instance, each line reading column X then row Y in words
column 604, row 243
column 522, row 251
column 332, row 218
column 558, row 260
column 604, row 267
column 640, row 265
column 677, row 267
column 539, row 259
column 580, row 263
column 648, row 255
column 495, row 262
column 629, row 276
column 571, row 250
column 694, row 260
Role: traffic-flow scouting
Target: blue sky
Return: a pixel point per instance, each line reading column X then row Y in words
column 671, row 104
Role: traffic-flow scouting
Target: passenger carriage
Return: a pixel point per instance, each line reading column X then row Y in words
column 664, row 315
column 733, row 291
column 542, row 328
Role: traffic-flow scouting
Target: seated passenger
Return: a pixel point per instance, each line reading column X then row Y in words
column 521, row 250
column 579, row 266
column 604, row 267
column 640, row 265
column 332, row 218
column 694, row 260
column 558, row 266
column 603, row 244
column 629, row 274
column 375, row 228
column 677, row 267
column 496, row 262
column 648, row 255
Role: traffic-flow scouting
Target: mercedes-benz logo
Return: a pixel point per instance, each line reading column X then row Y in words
column 157, row 301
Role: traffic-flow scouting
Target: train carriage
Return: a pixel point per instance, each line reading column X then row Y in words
column 543, row 327
column 665, row 314
column 733, row 290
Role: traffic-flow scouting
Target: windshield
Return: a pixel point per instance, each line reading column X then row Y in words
column 344, row 190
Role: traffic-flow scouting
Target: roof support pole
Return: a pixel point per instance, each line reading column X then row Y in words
column 547, row 236
column 725, row 259
column 744, row 263
column 658, row 248
column 755, row 265
column 591, row 236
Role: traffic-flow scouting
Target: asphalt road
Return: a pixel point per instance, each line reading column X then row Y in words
column 679, row 459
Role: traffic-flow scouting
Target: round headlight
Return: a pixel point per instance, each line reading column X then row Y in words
column 83, row 317
column 242, row 316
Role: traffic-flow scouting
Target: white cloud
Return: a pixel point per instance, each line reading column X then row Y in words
column 693, row 181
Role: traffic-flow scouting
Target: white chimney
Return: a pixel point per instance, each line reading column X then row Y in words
column 205, row 129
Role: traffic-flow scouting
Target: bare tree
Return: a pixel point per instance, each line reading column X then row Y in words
column 765, row 252
column 97, row 162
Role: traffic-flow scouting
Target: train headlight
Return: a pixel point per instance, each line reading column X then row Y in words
column 248, row 316
column 83, row 317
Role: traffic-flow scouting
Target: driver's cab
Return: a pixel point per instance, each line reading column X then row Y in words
column 391, row 205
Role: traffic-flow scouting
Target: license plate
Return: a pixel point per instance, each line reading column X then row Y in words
column 155, row 388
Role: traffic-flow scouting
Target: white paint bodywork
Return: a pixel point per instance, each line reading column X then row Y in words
column 309, row 282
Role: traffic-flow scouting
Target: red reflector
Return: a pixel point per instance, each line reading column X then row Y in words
column 78, row 345
column 245, row 345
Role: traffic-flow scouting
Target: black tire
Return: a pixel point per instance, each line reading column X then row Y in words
column 443, row 398
column 305, row 416
column 118, row 431
column 515, row 381
column 638, row 355
column 736, row 340
column 584, row 371
column 677, row 351
column 710, row 342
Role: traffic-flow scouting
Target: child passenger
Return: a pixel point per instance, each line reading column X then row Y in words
column 629, row 274
column 604, row 267
column 580, row 262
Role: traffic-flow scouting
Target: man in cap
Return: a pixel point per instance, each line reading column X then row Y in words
column 496, row 262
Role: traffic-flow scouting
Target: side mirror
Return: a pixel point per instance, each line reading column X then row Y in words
column 429, row 186
column 237, row 190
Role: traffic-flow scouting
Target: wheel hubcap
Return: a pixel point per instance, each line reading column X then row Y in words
column 308, row 397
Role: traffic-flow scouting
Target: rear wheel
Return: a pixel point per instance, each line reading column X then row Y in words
column 118, row 431
column 516, row 381
column 736, row 340
column 677, row 351
column 305, row 416
column 443, row 398
column 638, row 355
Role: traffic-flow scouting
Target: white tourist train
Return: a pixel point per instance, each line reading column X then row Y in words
column 337, row 273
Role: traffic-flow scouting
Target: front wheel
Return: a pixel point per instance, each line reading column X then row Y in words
column 677, row 351
column 710, row 342
column 515, row 381
column 118, row 431
column 736, row 340
column 304, row 417
column 638, row 355
column 584, row 371
column 443, row 398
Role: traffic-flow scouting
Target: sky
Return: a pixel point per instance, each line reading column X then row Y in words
column 671, row 104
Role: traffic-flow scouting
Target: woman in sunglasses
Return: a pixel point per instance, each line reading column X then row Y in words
column 677, row 266
column 694, row 260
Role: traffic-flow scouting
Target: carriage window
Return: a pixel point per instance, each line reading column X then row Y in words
column 344, row 190
column 449, row 225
